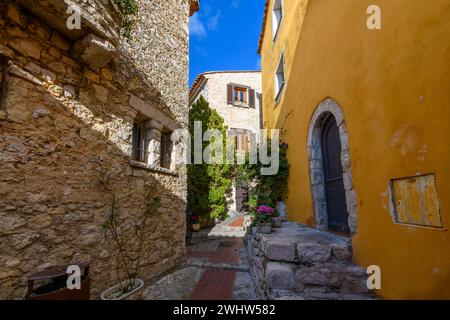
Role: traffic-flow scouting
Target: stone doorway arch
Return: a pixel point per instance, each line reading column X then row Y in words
column 316, row 171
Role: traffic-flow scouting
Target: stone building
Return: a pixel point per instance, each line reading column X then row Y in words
column 76, row 101
column 237, row 97
column 361, row 90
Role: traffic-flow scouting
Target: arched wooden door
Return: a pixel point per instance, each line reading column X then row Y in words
column 334, row 183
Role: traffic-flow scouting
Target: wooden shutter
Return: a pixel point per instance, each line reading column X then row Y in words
column 251, row 98
column 246, row 137
column 229, row 94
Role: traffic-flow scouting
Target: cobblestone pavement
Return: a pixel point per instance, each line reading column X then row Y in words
column 217, row 268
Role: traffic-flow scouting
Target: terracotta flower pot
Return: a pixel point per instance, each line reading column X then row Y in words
column 195, row 227
column 134, row 294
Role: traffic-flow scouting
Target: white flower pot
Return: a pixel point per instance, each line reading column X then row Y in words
column 281, row 208
column 135, row 294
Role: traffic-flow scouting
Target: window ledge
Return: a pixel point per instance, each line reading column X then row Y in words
column 157, row 169
column 241, row 105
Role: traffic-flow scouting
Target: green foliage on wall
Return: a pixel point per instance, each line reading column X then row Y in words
column 208, row 184
column 129, row 8
column 267, row 189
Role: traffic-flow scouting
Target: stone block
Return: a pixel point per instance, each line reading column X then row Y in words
column 94, row 51
column 59, row 41
column 313, row 252
column 341, row 251
column 279, row 276
column 354, row 285
column 280, row 250
column 27, row 47
column 313, row 276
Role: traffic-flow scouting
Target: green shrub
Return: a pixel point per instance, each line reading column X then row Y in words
column 208, row 185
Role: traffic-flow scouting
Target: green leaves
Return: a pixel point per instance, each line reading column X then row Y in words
column 208, row 184
column 128, row 8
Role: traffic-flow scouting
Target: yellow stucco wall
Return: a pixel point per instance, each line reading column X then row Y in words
column 393, row 86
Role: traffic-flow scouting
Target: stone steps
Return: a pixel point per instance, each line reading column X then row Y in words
column 296, row 261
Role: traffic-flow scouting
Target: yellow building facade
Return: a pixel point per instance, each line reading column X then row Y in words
column 370, row 84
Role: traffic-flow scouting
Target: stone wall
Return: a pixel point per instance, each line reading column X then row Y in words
column 298, row 262
column 61, row 119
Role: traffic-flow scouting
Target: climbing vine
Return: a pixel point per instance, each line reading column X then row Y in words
column 129, row 8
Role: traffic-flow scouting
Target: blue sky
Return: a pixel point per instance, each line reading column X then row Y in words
column 224, row 36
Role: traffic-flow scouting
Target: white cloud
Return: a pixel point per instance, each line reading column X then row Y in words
column 235, row 3
column 213, row 22
column 201, row 52
column 197, row 27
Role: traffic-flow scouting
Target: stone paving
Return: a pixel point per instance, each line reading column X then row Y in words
column 217, row 268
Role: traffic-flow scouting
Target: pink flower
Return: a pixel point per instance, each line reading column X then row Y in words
column 265, row 209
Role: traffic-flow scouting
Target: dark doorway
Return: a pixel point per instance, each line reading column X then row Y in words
column 334, row 183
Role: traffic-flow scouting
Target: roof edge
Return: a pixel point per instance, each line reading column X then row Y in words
column 263, row 29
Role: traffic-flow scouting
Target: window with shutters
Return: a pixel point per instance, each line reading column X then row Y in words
column 277, row 16
column 241, row 140
column 280, row 80
column 241, row 96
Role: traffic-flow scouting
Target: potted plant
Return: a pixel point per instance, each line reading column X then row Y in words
column 127, row 267
column 195, row 223
column 277, row 220
column 263, row 219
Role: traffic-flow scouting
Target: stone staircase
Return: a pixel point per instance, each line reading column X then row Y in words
column 296, row 262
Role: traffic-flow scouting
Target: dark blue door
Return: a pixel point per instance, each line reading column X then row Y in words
column 334, row 183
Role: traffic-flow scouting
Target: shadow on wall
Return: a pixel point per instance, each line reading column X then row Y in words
column 51, row 142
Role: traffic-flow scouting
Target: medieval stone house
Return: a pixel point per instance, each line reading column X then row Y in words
column 236, row 96
column 76, row 101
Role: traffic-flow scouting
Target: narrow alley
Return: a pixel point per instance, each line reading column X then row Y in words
column 217, row 268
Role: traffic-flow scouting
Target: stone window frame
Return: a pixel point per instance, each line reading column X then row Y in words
column 315, row 161
column 249, row 100
column 150, row 138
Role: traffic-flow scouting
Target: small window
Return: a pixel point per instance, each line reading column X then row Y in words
column 277, row 16
column 166, row 150
column 138, row 152
column 279, row 79
column 240, row 94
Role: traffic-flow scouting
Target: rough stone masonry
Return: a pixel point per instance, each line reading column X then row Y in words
column 68, row 103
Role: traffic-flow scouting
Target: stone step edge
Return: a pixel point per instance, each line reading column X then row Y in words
column 217, row 266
